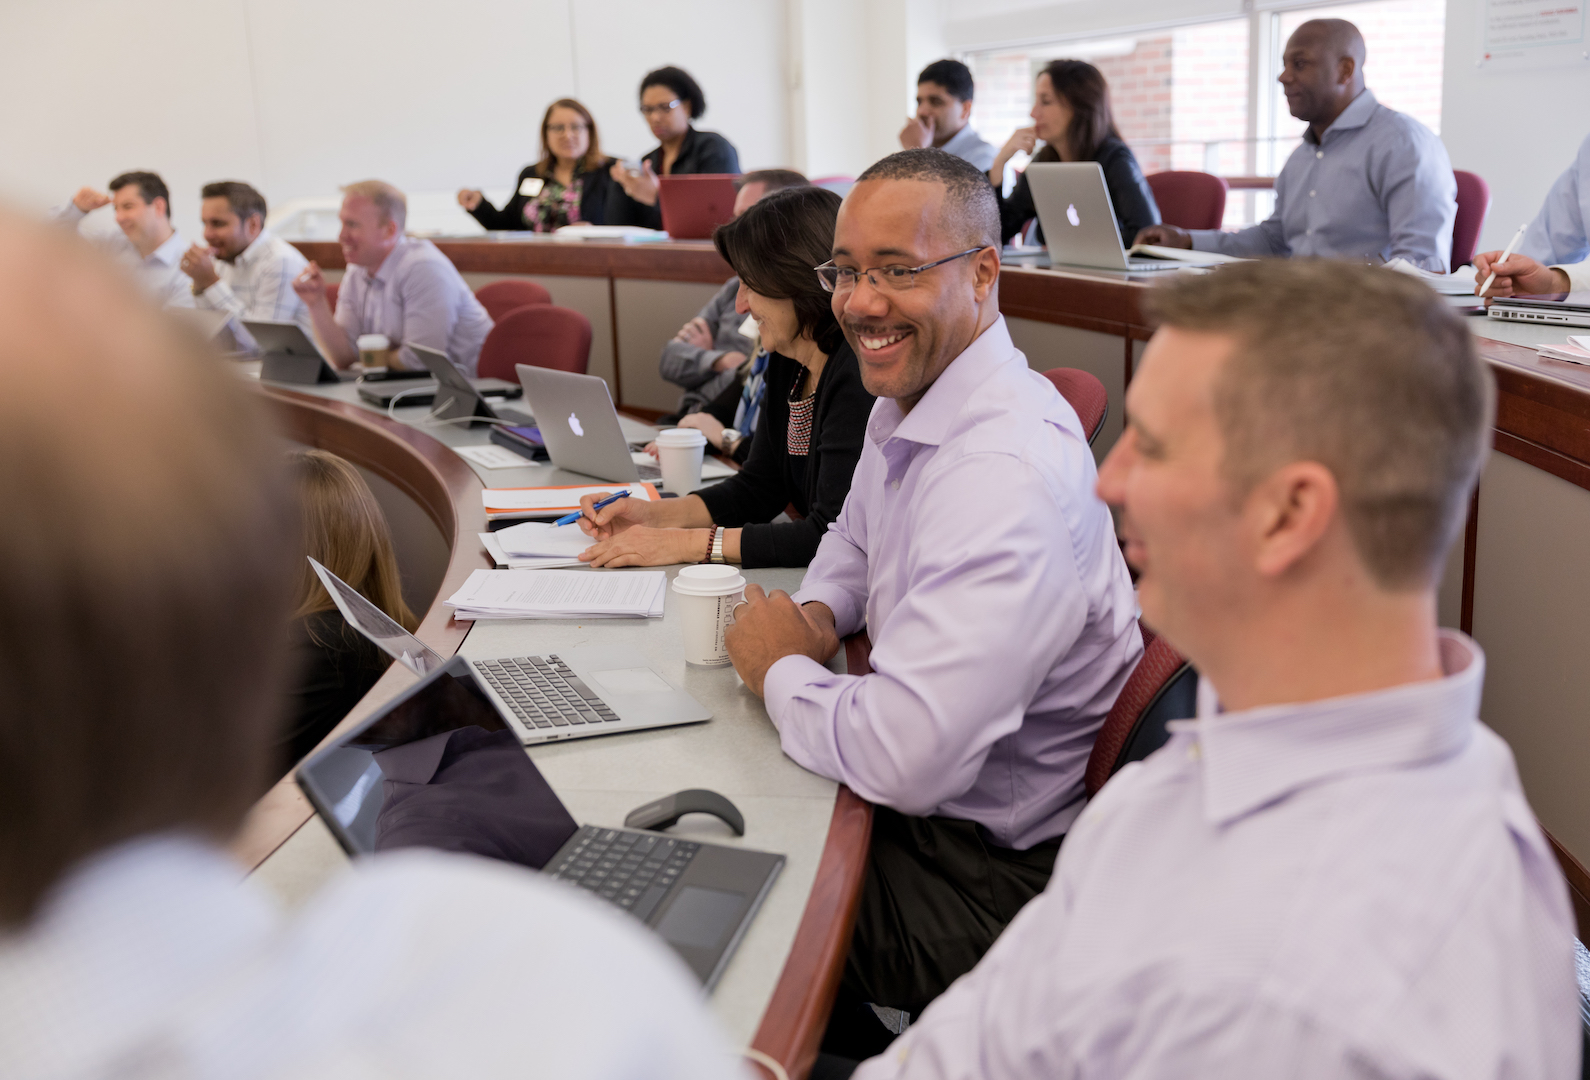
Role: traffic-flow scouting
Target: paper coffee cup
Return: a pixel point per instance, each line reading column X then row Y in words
column 373, row 349
column 679, row 452
column 706, row 597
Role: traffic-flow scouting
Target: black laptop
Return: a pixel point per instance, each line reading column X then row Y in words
column 438, row 768
column 288, row 355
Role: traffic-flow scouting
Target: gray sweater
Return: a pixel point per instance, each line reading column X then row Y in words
column 691, row 367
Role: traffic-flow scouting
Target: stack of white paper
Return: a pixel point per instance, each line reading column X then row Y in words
column 1459, row 283
column 522, row 562
column 1576, row 350
column 560, row 594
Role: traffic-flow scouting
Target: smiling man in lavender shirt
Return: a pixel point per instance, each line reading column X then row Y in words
column 974, row 551
column 1332, row 871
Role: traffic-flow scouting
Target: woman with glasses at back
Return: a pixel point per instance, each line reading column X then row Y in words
column 1071, row 117
column 571, row 182
column 669, row 100
column 814, row 411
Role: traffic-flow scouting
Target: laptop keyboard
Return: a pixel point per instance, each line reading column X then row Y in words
column 544, row 693
column 634, row 870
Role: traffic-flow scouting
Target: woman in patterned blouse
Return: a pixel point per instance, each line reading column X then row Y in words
column 814, row 410
column 570, row 183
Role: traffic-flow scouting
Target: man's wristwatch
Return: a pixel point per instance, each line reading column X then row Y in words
column 730, row 437
column 716, row 552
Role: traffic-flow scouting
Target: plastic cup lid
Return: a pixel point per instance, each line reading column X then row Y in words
column 681, row 437
column 710, row 579
column 374, row 341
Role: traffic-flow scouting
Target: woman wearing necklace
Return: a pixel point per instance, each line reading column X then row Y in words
column 814, row 412
column 570, row 183
column 669, row 100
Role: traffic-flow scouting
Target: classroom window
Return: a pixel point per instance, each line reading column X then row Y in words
column 1204, row 96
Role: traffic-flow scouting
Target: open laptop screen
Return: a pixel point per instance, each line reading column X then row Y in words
column 438, row 768
column 378, row 626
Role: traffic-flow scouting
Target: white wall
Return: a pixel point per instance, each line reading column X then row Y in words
column 1519, row 130
column 300, row 96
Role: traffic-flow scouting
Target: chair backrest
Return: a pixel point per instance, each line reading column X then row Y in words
column 1086, row 395
column 1163, row 687
column 1473, row 203
column 331, row 295
column 1192, row 200
column 501, row 297
column 541, row 335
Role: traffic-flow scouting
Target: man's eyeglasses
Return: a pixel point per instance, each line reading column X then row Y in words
column 842, row 279
column 559, row 129
column 649, row 111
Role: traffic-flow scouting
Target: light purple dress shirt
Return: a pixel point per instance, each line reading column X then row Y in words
column 1377, row 186
column 1345, row 888
column 973, row 548
column 416, row 297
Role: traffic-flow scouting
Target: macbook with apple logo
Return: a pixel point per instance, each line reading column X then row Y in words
column 1079, row 224
column 579, row 425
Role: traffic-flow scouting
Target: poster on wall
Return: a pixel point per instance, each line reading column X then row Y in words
column 1526, row 35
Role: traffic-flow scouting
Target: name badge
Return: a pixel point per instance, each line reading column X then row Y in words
column 531, row 186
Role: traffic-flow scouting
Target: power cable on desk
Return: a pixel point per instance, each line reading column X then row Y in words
column 766, row 1061
column 432, row 418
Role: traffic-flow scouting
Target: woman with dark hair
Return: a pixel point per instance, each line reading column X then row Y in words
column 570, row 183
column 814, row 411
column 1071, row 117
column 669, row 100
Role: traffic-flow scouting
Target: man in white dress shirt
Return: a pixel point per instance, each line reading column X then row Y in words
column 146, row 572
column 243, row 268
column 1332, row 871
column 395, row 285
column 148, row 243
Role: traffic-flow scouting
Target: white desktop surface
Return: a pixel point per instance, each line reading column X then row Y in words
column 787, row 809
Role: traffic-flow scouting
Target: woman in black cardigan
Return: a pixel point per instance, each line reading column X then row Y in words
column 669, row 99
column 1071, row 117
column 572, row 181
column 814, row 415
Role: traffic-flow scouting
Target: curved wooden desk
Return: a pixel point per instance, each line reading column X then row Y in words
column 448, row 490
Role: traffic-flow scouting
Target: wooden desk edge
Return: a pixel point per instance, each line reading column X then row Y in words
column 447, row 489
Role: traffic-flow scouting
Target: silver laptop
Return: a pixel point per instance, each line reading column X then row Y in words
column 1553, row 309
column 579, row 425
column 1078, row 219
column 456, row 396
column 570, row 694
column 288, row 355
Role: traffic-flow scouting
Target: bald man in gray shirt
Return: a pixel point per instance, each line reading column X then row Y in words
column 1368, row 183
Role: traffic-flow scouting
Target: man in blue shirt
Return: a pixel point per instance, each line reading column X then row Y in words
column 1555, row 253
column 1367, row 184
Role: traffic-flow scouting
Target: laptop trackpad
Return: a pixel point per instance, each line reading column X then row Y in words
column 698, row 918
column 634, row 680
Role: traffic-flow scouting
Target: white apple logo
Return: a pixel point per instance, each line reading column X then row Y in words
column 574, row 425
column 1071, row 214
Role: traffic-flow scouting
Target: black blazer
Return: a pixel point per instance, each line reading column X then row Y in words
column 336, row 665
column 596, row 193
column 1135, row 208
column 772, row 478
column 702, row 152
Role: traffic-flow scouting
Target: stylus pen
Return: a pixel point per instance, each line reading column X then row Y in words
column 1507, row 253
column 570, row 519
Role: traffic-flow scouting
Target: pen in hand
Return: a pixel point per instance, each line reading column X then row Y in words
column 1507, row 253
column 570, row 519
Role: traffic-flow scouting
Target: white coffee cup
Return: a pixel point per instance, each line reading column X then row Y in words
column 373, row 349
column 679, row 452
column 707, row 596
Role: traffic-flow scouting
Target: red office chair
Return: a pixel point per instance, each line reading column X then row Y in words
column 331, row 295
column 1163, row 687
column 541, row 335
column 1192, row 200
column 1473, row 203
column 1086, row 395
column 501, row 297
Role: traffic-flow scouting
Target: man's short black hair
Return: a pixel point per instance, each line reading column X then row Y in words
column 679, row 81
column 774, row 179
column 953, row 75
column 150, row 187
column 242, row 198
column 970, row 210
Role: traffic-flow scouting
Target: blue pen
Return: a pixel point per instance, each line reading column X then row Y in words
column 570, row 519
